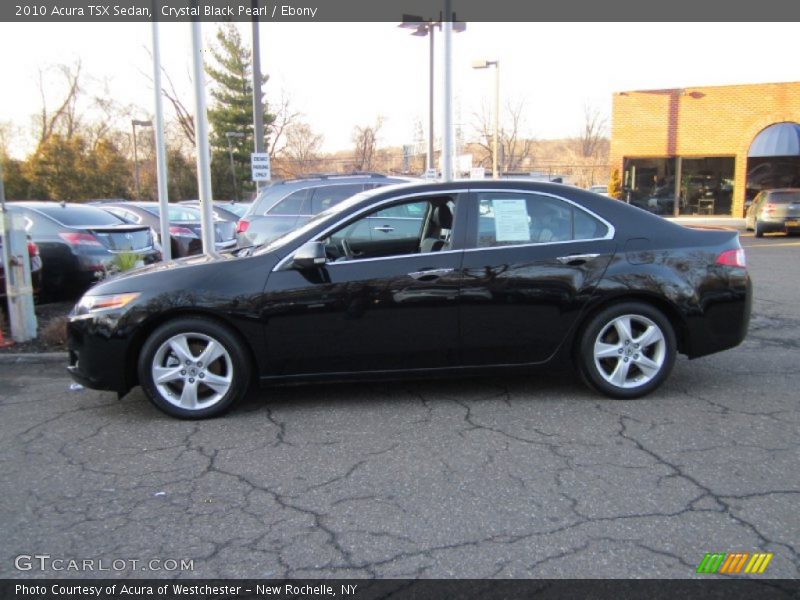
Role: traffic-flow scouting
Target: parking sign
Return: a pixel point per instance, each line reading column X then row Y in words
column 259, row 166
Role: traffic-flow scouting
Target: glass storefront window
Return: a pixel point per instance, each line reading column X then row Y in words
column 705, row 187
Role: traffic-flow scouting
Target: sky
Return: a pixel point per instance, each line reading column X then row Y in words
column 340, row 75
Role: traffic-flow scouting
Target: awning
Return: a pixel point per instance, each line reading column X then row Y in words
column 781, row 139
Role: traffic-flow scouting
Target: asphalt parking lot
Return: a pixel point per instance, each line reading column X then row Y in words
column 508, row 478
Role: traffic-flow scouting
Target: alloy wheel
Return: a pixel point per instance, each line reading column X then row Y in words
column 630, row 351
column 192, row 371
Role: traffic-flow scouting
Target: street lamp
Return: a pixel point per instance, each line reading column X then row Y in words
column 228, row 136
column 421, row 29
column 134, row 123
column 485, row 64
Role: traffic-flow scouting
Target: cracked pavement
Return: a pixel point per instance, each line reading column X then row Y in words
column 483, row 478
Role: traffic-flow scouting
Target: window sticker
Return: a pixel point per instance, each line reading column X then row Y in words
column 511, row 221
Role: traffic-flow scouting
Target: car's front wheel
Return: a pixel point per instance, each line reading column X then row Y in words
column 194, row 368
column 627, row 350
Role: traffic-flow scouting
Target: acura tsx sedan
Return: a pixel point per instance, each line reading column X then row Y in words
column 417, row 280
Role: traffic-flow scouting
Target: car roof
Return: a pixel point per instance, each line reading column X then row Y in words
column 34, row 204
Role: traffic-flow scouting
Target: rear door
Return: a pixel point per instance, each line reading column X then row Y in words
column 532, row 262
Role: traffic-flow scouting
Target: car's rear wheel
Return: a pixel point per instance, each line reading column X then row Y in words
column 627, row 350
column 194, row 368
column 759, row 229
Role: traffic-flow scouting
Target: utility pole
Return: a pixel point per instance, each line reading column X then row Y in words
column 161, row 152
column 447, row 122
column 201, row 142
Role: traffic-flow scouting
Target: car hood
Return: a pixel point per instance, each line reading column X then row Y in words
column 182, row 273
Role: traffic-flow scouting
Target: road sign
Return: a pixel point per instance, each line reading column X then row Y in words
column 431, row 174
column 477, row 173
column 260, row 167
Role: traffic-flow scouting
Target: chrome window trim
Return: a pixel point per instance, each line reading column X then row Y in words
column 609, row 235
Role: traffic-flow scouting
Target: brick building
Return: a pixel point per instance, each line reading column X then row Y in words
column 704, row 150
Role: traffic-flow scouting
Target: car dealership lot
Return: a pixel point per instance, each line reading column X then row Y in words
column 497, row 477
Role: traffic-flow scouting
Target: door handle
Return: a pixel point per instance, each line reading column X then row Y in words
column 384, row 228
column 429, row 274
column 576, row 259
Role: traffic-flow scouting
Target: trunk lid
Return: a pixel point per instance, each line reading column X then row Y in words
column 123, row 238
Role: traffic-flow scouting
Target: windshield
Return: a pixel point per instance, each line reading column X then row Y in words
column 291, row 236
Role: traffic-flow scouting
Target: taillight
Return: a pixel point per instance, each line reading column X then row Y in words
column 732, row 258
column 769, row 208
column 182, row 232
column 242, row 225
column 80, row 239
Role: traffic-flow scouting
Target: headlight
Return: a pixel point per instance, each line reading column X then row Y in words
column 92, row 304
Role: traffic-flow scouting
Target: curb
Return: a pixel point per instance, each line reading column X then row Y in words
column 10, row 358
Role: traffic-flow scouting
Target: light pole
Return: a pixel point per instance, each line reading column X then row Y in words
column 134, row 123
column 485, row 64
column 421, row 29
column 228, row 136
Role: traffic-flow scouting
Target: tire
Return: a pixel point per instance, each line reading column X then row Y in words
column 186, row 390
column 759, row 229
column 624, row 370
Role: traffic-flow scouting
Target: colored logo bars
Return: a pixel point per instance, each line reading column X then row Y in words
column 733, row 562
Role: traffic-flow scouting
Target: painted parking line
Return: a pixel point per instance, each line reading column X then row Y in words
column 772, row 245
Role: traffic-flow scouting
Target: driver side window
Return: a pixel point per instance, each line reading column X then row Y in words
column 412, row 227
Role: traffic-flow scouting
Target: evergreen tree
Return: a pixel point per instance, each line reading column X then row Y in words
column 232, row 112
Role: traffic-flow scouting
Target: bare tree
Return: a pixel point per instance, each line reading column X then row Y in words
column 365, row 140
column 64, row 119
column 301, row 149
column 285, row 118
column 515, row 145
column 593, row 132
column 182, row 114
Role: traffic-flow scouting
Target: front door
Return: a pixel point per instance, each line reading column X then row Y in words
column 385, row 300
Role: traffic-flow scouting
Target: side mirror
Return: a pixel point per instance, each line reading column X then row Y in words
column 310, row 255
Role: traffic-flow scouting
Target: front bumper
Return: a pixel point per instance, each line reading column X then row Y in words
column 97, row 353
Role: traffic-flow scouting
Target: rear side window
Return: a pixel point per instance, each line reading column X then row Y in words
column 74, row 216
column 330, row 195
column 296, row 203
column 510, row 219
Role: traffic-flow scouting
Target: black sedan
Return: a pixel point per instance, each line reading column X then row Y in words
column 483, row 277
column 78, row 243
column 184, row 225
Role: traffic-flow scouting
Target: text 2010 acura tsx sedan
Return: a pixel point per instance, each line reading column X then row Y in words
column 417, row 280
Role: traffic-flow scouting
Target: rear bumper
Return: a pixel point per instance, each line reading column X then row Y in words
column 781, row 224
column 724, row 320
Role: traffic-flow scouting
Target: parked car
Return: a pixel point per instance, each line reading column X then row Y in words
column 599, row 189
column 494, row 276
column 285, row 205
column 774, row 211
column 185, row 236
column 35, row 266
column 224, row 210
column 78, row 242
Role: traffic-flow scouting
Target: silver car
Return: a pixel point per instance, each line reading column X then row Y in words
column 285, row 205
column 774, row 210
